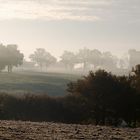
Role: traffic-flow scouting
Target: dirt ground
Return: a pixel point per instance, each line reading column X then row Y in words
column 18, row 130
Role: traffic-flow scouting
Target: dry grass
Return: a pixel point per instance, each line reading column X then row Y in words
column 18, row 130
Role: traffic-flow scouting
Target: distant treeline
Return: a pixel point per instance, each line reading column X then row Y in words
column 88, row 59
column 83, row 60
column 100, row 98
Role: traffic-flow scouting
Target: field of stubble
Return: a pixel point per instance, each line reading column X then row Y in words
column 18, row 130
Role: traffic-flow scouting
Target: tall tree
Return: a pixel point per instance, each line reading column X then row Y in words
column 134, row 57
column 109, row 62
column 84, row 56
column 88, row 57
column 68, row 59
column 38, row 57
column 10, row 56
column 135, row 77
column 95, row 58
column 49, row 60
column 42, row 58
column 135, row 83
column 3, row 57
column 14, row 57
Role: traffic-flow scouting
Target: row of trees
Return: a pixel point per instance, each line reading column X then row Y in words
column 85, row 56
column 91, row 59
column 10, row 56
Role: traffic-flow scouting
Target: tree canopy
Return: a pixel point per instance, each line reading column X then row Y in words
column 42, row 58
column 69, row 59
column 10, row 56
column 108, row 97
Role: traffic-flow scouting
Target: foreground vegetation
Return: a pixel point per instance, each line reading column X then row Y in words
column 99, row 98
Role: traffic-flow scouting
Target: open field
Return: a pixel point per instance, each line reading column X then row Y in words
column 53, row 84
column 17, row 130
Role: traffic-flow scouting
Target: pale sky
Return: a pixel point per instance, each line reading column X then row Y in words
column 58, row 25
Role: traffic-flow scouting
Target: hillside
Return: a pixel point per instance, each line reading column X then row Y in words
column 53, row 84
column 17, row 130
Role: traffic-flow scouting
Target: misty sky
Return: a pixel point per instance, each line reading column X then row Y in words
column 57, row 25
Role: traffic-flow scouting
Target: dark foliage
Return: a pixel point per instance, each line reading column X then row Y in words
column 110, row 98
column 41, row 108
column 99, row 98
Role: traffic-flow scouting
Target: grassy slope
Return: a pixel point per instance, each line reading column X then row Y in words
column 53, row 84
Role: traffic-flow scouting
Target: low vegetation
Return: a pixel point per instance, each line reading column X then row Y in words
column 99, row 98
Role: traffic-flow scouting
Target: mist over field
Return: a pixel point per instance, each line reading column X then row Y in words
column 69, row 69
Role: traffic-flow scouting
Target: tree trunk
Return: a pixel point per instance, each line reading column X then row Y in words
column 84, row 66
column 10, row 67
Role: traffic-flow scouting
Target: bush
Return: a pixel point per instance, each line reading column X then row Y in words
column 99, row 98
column 109, row 98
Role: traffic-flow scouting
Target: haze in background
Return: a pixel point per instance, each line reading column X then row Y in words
column 58, row 25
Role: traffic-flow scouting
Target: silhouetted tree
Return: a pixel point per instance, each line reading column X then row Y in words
column 122, row 64
column 134, row 57
column 105, row 60
column 109, row 62
column 14, row 57
column 3, row 57
column 39, row 57
column 84, row 56
column 135, row 82
column 135, row 77
column 10, row 56
column 42, row 58
column 95, row 58
column 68, row 59
column 107, row 96
column 49, row 60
